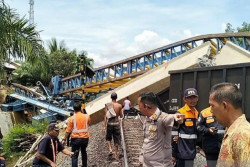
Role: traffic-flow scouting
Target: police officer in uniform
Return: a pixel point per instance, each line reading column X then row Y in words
column 184, row 148
column 156, row 150
column 212, row 134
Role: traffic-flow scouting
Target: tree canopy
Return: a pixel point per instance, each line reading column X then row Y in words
column 21, row 41
column 245, row 27
column 59, row 61
column 18, row 39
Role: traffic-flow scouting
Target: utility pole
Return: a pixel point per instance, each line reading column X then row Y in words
column 83, row 75
column 31, row 12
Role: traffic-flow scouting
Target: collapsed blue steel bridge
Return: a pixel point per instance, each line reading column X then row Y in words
column 116, row 74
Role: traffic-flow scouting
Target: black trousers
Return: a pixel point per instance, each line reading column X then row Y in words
column 211, row 159
column 185, row 163
column 77, row 145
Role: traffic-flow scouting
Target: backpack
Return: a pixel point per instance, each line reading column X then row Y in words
column 110, row 111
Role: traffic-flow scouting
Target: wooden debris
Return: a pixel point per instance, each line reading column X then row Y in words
column 29, row 156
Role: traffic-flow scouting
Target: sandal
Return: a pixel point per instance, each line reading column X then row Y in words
column 110, row 154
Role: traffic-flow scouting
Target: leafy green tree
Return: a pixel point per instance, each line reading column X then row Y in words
column 28, row 74
column 229, row 28
column 63, row 62
column 88, row 61
column 53, row 46
column 59, row 61
column 18, row 38
column 245, row 27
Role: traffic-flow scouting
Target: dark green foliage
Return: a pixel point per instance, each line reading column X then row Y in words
column 229, row 28
column 28, row 74
column 18, row 38
column 63, row 62
column 245, row 27
column 16, row 132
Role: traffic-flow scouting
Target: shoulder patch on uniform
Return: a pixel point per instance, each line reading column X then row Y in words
column 163, row 115
column 206, row 112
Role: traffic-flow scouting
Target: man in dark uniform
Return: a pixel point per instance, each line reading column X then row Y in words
column 212, row 134
column 48, row 148
column 184, row 150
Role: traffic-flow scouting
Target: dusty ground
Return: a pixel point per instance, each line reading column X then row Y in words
column 98, row 152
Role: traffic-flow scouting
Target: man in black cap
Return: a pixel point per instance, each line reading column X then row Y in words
column 184, row 147
column 111, row 121
column 49, row 147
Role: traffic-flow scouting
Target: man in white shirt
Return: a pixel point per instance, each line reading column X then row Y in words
column 126, row 107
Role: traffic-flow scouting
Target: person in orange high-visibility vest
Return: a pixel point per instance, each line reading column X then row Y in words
column 212, row 134
column 78, row 127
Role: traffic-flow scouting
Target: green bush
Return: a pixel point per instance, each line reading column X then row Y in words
column 16, row 132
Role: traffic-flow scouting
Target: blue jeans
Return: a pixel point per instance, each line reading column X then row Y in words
column 77, row 145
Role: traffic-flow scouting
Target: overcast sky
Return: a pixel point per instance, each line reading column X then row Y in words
column 112, row 30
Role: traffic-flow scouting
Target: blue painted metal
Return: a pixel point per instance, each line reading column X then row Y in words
column 25, row 93
column 47, row 106
column 18, row 105
column 141, row 63
column 121, row 69
column 151, row 59
column 50, row 116
column 56, row 82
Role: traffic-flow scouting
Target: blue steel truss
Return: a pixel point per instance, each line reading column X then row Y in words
column 41, row 104
column 148, row 60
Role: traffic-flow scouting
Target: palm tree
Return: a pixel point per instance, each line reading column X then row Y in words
column 18, row 39
column 88, row 61
column 53, row 46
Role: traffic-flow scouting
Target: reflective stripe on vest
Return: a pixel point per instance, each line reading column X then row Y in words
column 75, row 130
column 221, row 131
column 188, row 136
column 174, row 133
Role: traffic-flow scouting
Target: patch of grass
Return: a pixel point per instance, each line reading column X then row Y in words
column 9, row 144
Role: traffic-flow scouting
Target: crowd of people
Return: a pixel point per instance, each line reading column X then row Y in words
column 169, row 139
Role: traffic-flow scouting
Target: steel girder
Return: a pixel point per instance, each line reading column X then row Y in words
column 151, row 59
